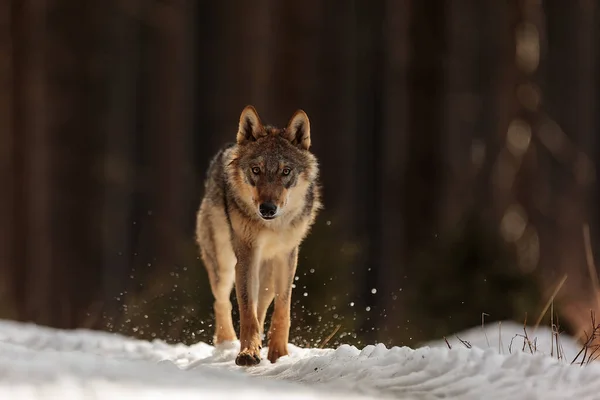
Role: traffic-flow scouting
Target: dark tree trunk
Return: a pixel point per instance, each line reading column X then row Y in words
column 36, row 295
column 7, row 161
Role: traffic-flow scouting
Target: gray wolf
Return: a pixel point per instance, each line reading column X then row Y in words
column 261, row 198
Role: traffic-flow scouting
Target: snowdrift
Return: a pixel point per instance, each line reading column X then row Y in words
column 44, row 363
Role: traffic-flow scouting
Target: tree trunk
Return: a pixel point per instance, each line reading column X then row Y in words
column 7, row 163
column 34, row 172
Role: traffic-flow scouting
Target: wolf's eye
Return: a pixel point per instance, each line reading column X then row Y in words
column 286, row 171
column 255, row 170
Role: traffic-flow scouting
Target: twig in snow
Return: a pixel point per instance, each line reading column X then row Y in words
column 510, row 344
column 526, row 340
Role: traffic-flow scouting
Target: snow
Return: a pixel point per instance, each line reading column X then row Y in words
column 43, row 363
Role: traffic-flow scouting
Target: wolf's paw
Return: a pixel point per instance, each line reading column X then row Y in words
column 277, row 350
column 248, row 357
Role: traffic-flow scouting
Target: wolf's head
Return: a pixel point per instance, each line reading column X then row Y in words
column 272, row 167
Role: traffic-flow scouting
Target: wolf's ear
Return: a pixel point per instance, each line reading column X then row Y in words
column 298, row 130
column 250, row 128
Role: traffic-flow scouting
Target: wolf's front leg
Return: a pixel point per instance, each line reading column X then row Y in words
column 279, row 331
column 246, row 286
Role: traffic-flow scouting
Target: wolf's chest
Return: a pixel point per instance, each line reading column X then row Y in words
column 279, row 243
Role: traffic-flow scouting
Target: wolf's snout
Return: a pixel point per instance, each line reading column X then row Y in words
column 267, row 210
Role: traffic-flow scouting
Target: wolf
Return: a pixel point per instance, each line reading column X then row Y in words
column 262, row 195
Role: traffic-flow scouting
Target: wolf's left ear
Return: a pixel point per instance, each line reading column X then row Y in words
column 298, row 130
column 250, row 127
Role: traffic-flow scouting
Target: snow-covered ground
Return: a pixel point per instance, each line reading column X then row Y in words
column 43, row 363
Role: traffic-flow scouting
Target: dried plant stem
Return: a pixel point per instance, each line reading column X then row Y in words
column 483, row 315
column 550, row 301
column 328, row 338
column 464, row 342
column 589, row 256
column 588, row 343
column 526, row 340
column 448, row 343
column 499, row 337
column 552, row 330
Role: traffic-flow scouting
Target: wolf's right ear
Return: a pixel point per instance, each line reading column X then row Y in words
column 250, row 128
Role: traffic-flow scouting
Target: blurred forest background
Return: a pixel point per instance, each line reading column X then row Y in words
column 458, row 142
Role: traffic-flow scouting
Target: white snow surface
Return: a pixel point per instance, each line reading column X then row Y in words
column 43, row 363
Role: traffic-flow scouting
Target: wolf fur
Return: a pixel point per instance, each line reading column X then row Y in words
column 261, row 198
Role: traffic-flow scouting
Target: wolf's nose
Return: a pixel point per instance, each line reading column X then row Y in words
column 267, row 210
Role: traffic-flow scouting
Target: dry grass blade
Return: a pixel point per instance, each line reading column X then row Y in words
column 483, row 315
column 550, row 301
column 328, row 338
column 448, row 343
column 588, row 343
column 499, row 337
column 465, row 343
column 589, row 256
column 560, row 352
column 552, row 329
column 594, row 354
